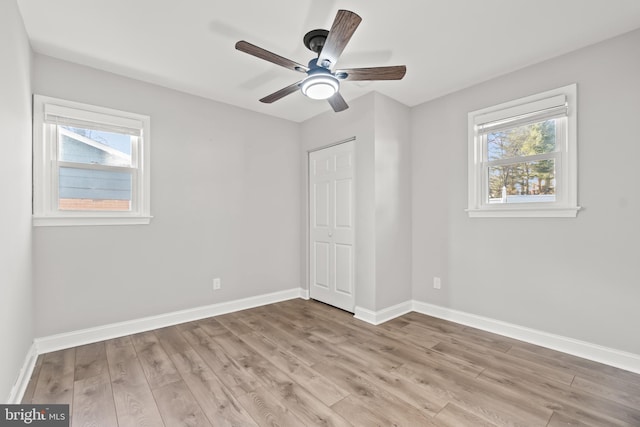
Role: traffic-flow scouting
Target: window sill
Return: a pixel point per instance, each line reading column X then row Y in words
column 50, row 221
column 571, row 212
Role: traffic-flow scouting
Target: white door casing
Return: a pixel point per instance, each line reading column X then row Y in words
column 331, row 225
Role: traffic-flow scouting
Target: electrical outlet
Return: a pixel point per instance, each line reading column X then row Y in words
column 436, row 283
column 216, row 284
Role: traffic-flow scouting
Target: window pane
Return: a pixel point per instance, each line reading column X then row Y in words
column 526, row 140
column 85, row 189
column 527, row 182
column 93, row 146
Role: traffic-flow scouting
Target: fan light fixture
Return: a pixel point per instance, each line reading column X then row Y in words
column 320, row 86
column 322, row 81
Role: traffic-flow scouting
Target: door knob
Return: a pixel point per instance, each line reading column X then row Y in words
column 330, row 234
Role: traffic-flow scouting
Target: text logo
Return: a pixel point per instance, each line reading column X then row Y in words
column 34, row 415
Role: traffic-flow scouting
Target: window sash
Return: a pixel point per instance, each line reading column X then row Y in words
column 93, row 166
column 88, row 141
column 104, row 185
column 557, row 155
column 484, row 170
column 57, row 164
column 55, row 189
column 560, row 137
column 521, row 159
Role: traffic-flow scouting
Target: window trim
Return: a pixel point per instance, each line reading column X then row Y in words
column 566, row 158
column 45, row 164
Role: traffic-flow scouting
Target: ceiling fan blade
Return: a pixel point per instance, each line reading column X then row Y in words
column 340, row 33
column 338, row 103
column 281, row 93
column 261, row 53
column 395, row 72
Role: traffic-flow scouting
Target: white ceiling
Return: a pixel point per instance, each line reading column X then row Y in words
column 446, row 45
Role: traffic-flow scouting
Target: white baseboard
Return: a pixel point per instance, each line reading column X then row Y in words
column 384, row 315
column 365, row 315
column 120, row 329
column 304, row 294
column 15, row 397
column 586, row 350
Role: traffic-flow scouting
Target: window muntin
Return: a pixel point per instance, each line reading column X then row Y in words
column 522, row 157
column 91, row 164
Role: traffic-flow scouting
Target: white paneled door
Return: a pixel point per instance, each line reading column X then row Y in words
column 331, row 225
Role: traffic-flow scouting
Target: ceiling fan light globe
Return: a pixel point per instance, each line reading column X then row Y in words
column 320, row 91
column 320, row 86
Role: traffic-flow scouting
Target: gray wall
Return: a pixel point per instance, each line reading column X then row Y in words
column 393, row 202
column 225, row 196
column 574, row 277
column 16, row 308
column 383, row 194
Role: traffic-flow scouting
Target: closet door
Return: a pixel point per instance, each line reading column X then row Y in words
column 331, row 225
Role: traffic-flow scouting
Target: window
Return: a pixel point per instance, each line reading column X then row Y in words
column 91, row 164
column 522, row 157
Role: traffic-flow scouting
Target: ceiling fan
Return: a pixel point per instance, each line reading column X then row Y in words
column 323, row 79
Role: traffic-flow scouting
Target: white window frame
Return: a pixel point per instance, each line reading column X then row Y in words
column 46, row 164
column 539, row 106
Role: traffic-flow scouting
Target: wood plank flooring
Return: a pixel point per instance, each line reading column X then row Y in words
column 302, row 363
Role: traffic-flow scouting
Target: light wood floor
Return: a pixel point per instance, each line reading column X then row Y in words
column 302, row 363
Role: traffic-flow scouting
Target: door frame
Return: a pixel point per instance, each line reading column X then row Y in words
column 308, row 216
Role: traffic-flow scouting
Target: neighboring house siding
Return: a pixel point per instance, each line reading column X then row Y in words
column 92, row 184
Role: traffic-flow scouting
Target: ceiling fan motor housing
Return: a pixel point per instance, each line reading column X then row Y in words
column 314, row 40
column 315, row 68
